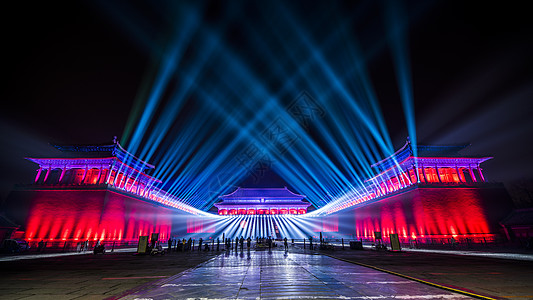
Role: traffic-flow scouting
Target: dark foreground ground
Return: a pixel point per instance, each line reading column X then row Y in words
column 499, row 278
column 122, row 275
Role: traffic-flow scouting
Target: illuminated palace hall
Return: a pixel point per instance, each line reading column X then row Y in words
column 102, row 192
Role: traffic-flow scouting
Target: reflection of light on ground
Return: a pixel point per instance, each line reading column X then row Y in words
column 278, row 274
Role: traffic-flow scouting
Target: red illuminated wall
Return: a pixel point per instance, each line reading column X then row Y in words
column 87, row 214
column 430, row 212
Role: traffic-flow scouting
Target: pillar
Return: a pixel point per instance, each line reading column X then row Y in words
column 387, row 188
column 62, row 174
column 147, row 191
column 38, row 174
column 378, row 188
column 458, row 174
column 438, row 173
column 401, row 179
column 124, row 186
column 99, row 174
column 406, row 174
column 415, row 169
column 109, row 172
column 424, row 174
column 472, row 173
column 132, row 186
column 123, row 179
column 480, row 174
column 47, row 173
column 84, row 175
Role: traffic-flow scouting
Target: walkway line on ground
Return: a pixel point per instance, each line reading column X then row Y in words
column 413, row 278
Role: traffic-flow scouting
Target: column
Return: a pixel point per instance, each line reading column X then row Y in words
column 132, row 185
column 438, row 173
column 146, row 188
column 392, row 183
column 377, row 188
column 458, row 174
column 119, row 184
column 47, row 173
column 401, row 183
column 62, row 174
column 480, row 174
column 84, row 175
column 406, row 174
column 472, row 173
column 99, row 174
column 110, row 171
column 38, row 174
column 125, row 177
column 401, row 178
column 424, row 174
column 415, row 169
column 386, row 186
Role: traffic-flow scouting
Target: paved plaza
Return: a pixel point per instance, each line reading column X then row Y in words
column 296, row 274
column 280, row 275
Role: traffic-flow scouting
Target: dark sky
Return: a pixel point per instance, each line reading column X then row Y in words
column 73, row 71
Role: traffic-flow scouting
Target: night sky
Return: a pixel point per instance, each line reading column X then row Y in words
column 75, row 69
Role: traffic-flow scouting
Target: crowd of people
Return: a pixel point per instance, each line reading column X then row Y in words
column 181, row 245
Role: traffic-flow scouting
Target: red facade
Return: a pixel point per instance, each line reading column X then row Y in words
column 426, row 213
column 76, row 215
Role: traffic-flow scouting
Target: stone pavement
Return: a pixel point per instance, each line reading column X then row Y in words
column 485, row 275
column 285, row 275
column 300, row 273
column 89, row 276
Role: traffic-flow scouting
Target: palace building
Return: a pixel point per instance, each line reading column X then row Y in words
column 102, row 192
column 262, row 201
column 96, row 192
column 434, row 192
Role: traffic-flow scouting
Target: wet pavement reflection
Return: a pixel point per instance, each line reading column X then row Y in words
column 285, row 275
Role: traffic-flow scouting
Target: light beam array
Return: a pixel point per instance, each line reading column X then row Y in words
column 245, row 86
